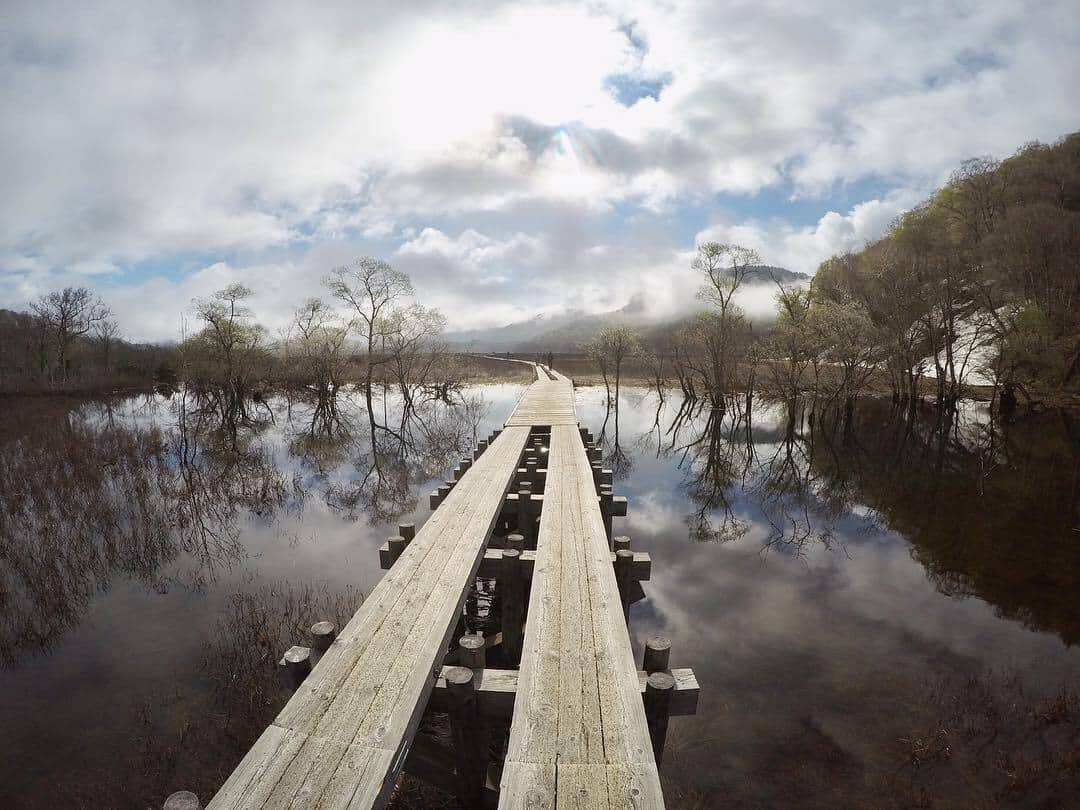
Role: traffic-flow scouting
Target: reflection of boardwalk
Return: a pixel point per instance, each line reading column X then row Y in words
column 578, row 736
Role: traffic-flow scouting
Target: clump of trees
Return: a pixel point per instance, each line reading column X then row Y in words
column 70, row 342
column 984, row 276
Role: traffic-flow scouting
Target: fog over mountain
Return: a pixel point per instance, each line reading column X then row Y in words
column 568, row 329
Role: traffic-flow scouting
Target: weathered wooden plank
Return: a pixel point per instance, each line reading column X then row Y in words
column 497, row 688
column 347, row 728
column 601, row 753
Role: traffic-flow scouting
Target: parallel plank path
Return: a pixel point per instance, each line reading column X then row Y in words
column 578, row 737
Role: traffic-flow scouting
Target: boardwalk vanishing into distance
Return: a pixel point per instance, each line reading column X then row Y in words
column 563, row 718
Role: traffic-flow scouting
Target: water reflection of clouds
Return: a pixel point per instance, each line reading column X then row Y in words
column 841, row 639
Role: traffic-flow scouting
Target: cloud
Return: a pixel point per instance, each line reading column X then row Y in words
column 592, row 141
column 803, row 248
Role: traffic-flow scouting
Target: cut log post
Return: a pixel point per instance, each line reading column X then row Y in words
column 444, row 490
column 434, row 499
column 472, row 652
column 658, row 691
column 657, row 655
column 323, row 635
column 620, row 543
column 396, row 546
column 525, row 513
column 624, row 575
column 607, row 477
column 597, row 468
column 407, row 530
column 514, row 541
column 182, row 800
column 297, row 665
column 606, row 510
column 467, row 731
column 512, row 587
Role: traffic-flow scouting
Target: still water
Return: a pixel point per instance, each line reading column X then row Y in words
column 880, row 616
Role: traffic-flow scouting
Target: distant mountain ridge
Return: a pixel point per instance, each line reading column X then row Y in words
column 568, row 330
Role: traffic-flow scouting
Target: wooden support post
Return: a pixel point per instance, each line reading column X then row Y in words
column 466, row 729
column 472, row 652
column 297, row 664
column 606, row 510
column 624, row 575
column 458, row 472
column 434, row 499
column 182, row 800
column 466, row 462
column 514, row 541
column 396, row 546
column 595, row 454
column 620, row 543
column 525, row 513
column 323, row 635
column 658, row 691
column 444, row 490
column 657, row 654
column 512, row 595
column 407, row 530
column 607, row 478
column 597, row 468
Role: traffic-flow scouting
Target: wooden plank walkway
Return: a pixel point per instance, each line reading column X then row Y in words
column 579, row 736
column 341, row 740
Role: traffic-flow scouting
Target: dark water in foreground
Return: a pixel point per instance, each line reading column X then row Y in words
column 885, row 617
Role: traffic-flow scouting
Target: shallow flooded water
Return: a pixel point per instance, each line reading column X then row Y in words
column 884, row 615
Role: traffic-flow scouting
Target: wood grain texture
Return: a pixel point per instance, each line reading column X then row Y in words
column 579, row 736
column 342, row 738
column 545, row 402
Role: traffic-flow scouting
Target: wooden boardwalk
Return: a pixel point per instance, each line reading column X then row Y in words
column 579, row 735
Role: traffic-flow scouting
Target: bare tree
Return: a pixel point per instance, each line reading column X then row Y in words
column 318, row 337
column 106, row 334
column 371, row 289
column 67, row 315
column 724, row 267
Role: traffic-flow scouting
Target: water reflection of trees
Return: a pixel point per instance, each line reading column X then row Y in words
column 158, row 491
column 194, row 740
column 990, row 509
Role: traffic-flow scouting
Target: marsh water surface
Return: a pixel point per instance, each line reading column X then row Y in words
column 883, row 614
